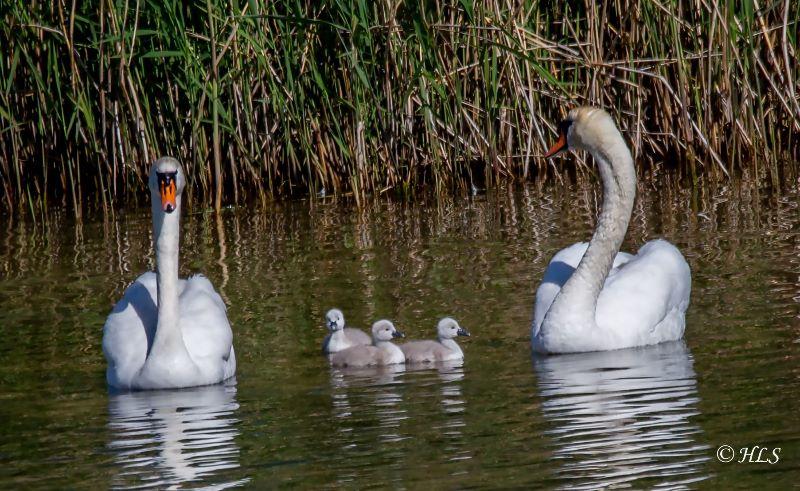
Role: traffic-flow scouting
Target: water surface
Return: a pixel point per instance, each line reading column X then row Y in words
column 641, row 418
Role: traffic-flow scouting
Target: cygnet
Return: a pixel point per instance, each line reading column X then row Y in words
column 381, row 352
column 444, row 348
column 340, row 337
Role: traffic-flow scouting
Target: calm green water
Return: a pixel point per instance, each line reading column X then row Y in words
column 639, row 418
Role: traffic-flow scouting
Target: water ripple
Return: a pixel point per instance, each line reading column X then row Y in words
column 622, row 416
column 170, row 437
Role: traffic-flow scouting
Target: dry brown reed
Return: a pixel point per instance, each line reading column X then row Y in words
column 263, row 99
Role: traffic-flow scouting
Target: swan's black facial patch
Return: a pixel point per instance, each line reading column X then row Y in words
column 166, row 178
column 563, row 128
column 561, row 144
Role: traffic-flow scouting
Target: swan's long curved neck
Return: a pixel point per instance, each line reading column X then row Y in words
column 166, row 239
column 578, row 296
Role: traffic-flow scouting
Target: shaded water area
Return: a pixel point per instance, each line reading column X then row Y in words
column 642, row 417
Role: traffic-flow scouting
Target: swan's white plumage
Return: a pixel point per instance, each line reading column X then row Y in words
column 594, row 297
column 166, row 332
column 558, row 272
column 131, row 326
column 643, row 300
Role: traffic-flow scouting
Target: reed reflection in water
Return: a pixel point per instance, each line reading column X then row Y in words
column 166, row 438
column 480, row 258
column 623, row 416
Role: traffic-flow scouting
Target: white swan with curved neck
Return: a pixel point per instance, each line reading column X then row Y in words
column 592, row 296
column 166, row 332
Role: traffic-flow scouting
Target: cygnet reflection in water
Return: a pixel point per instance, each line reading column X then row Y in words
column 624, row 415
column 165, row 438
column 444, row 381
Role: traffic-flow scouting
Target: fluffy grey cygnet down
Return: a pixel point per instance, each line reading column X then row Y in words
column 340, row 337
column 444, row 348
column 381, row 352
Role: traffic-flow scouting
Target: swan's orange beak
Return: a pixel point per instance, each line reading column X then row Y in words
column 558, row 146
column 167, row 188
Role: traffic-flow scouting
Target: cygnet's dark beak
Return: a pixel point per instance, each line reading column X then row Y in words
column 462, row 332
column 331, row 324
column 398, row 334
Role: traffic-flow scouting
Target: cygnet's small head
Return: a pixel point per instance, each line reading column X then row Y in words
column 384, row 330
column 448, row 328
column 166, row 183
column 334, row 320
column 583, row 129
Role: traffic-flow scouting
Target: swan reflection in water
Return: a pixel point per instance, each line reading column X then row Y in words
column 164, row 438
column 625, row 415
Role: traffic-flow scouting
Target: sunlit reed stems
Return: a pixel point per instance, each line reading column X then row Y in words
column 266, row 99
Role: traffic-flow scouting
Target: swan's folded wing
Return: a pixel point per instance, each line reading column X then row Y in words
column 204, row 321
column 652, row 286
column 129, row 330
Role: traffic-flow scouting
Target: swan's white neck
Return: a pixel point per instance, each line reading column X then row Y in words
column 577, row 300
column 166, row 234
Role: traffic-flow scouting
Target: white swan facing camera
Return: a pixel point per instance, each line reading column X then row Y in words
column 592, row 296
column 166, row 332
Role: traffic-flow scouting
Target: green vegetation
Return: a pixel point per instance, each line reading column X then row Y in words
column 262, row 99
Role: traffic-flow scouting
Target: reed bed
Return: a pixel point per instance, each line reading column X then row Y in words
column 267, row 99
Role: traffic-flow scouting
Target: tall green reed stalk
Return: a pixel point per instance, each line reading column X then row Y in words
column 264, row 99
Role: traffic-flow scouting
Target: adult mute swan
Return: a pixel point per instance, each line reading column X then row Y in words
column 166, row 332
column 592, row 296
